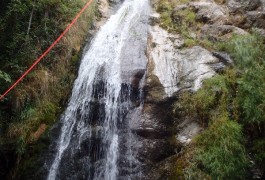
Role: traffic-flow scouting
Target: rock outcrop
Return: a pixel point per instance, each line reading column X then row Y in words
column 174, row 68
column 208, row 11
column 171, row 69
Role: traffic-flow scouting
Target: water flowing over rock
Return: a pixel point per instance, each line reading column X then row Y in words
column 95, row 140
column 119, row 122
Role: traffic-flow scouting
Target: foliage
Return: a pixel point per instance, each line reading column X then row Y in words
column 172, row 20
column 4, row 76
column 189, row 42
column 238, row 94
column 248, row 52
column 220, row 150
column 165, row 9
column 208, row 102
column 39, row 98
column 228, row 104
column 259, row 151
column 182, row 21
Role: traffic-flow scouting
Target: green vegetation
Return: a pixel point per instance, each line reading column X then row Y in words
column 231, row 106
column 176, row 21
column 220, row 150
column 248, row 52
column 27, row 28
column 182, row 21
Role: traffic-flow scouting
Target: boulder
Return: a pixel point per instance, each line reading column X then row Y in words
column 244, row 5
column 220, row 32
column 224, row 58
column 209, row 12
column 176, row 68
column 253, row 5
column 187, row 130
column 255, row 19
column 154, row 19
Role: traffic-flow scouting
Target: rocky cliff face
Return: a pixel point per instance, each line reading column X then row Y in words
column 174, row 68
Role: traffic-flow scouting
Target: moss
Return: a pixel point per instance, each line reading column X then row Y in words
column 164, row 6
column 207, row 44
column 172, row 169
column 165, row 9
column 177, row 170
column 74, row 60
column 189, row 42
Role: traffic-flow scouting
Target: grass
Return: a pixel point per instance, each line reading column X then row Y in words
column 183, row 22
column 248, row 52
column 42, row 95
column 231, row 107
column 220, row 150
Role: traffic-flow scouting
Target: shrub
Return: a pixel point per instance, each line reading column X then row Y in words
column 248, row 52
column 209, row 101
column 259, row 151
column 220, row 150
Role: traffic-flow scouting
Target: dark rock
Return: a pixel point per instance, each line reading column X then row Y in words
column 236, row 6
column 155, row 150
column 224, row 58
column 115, row 1
column 238, row 20
column 220, row 32
column 151, row 133
column 154, row 19
column 256, row 19
column 209, row 12
column 137, row 78
column 218, row 67
column 253, row 5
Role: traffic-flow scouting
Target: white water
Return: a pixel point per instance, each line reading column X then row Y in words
column 117, row 50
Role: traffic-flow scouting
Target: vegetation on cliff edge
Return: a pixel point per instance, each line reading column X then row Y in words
column 27, row 28
column 231, row 105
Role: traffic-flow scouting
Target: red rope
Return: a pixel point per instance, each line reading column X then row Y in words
column 47, row 51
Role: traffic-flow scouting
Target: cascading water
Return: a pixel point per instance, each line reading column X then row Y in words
column 95, row 141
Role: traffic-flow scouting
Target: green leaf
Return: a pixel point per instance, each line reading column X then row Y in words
column 4, row 76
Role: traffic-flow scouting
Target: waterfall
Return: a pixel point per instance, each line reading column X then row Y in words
column 95, row 139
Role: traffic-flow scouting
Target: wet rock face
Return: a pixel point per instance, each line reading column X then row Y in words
column 103, row 7
column 115, row 1
column 187, row 130
column 175, row 68
column 170, row 69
